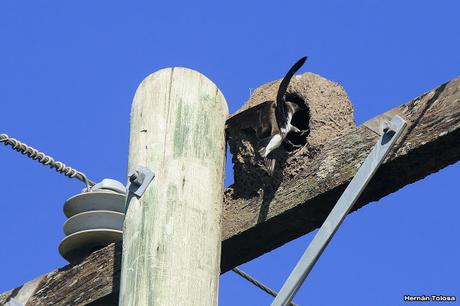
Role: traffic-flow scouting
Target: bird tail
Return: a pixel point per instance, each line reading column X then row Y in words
column 270, row 166
column 263, row 143
column 262, row 151
column 268, row 162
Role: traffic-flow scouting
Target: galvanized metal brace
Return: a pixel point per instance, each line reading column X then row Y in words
column 139, row 179
column 391, row 131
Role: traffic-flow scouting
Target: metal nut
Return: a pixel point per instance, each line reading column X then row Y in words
column 136, row 177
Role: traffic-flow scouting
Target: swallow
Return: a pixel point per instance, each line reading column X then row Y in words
column 284, row 112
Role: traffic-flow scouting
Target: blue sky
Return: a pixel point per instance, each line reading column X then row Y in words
column 69, row 70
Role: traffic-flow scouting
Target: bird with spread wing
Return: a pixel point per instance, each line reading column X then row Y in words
column 284, row 111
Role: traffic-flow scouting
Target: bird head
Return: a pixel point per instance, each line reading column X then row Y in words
column 292, row 107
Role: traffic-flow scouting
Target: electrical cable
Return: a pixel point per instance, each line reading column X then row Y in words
column 256, row 283
column 45, row 159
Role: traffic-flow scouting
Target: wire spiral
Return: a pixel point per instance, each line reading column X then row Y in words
column 45, row 159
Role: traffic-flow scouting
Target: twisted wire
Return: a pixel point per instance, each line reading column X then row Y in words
column 256, row 283
column 45, row 159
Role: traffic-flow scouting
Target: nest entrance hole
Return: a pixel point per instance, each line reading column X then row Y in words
column 300, row 120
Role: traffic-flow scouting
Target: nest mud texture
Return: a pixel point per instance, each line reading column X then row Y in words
column 326, row 113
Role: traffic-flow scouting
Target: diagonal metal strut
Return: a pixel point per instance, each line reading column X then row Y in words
column 392, row 130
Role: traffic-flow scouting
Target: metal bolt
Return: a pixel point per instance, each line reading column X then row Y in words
column 389, row 126
column 139, row 179
column 133, row 176
column 136, row 177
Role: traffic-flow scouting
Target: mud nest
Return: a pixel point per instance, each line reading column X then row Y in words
column 325, row 114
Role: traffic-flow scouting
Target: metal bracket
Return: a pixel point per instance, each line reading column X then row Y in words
column 392, row 130
column 139, row 179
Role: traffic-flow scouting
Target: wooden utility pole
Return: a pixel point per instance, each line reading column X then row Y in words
column 172, row 233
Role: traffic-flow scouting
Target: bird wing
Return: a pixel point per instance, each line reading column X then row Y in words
column 280, row 111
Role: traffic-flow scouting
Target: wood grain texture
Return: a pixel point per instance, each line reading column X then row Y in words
column 172, row 234
column 96, row 277
column 253, row 226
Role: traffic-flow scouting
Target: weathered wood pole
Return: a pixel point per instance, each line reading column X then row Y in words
column 172, row 234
